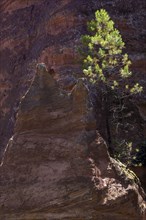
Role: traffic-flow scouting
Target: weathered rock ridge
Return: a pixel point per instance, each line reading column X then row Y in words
column 56, row 166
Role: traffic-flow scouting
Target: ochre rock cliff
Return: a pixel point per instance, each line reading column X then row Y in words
column 56, row 166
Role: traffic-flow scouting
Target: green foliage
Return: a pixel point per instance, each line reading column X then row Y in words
column 127, row 172
column 104, row 60
column 122, row 151
column 108, row 67
column 139, row 156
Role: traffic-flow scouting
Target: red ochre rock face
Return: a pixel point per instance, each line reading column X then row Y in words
column 56, row 165
column 41, row 178
column 49, row 31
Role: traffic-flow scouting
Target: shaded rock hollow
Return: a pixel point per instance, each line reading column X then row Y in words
column 56, row 166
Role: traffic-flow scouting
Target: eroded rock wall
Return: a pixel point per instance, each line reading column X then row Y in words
column 49, row 31
column 56, row 166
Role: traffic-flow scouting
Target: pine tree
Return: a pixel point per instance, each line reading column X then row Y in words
column 104, row 60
